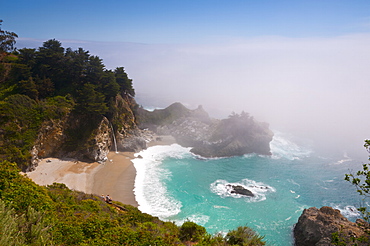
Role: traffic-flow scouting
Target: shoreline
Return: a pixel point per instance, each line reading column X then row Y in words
column 116, row 177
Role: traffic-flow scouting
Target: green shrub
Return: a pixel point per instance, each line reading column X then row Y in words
column 29, row 228
column 190, row 231
column 244, row 236
column 9, row 233
column 20, row 192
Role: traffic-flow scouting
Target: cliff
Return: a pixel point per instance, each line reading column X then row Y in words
column 326, row 226
column 236, row 135
column 89, row 138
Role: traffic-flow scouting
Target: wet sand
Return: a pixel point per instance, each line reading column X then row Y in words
column 116, row 177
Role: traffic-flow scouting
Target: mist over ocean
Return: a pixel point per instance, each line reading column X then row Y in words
column 175, row 185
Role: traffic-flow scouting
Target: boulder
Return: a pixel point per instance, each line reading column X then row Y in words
column 240, row 190
column 319, row 227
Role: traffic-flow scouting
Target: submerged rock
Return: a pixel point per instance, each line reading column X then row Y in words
column 323, row 226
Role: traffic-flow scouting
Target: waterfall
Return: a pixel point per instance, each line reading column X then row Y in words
column 114, row 138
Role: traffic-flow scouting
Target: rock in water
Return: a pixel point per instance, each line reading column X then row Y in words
column 237, row 135
column 316, row 227
column 240, row 190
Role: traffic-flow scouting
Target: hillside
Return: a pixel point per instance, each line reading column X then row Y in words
column 56, row 102
column 62, row 102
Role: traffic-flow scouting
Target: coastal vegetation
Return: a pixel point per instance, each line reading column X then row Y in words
column 45, row 85
column 48, row 83
column 55, row 215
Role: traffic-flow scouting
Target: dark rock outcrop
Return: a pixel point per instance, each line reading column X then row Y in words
column 91, row 138
column 240, row 190
column 318, row 227
column 134, row 140
column 236, row 135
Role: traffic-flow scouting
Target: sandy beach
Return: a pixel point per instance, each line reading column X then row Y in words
column 116, row 177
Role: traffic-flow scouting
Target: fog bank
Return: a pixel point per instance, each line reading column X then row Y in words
column 314, row 88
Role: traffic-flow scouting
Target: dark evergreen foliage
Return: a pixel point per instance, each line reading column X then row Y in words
column 7, row 40
column 52, row 70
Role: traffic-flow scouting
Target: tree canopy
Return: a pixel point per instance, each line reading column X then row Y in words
column 7, row 39
column 51, row 70
column 51, row 82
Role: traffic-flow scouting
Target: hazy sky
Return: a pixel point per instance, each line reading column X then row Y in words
column 302, row 66
column 183, row 21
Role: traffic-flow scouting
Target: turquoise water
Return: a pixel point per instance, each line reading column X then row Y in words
column 175, row 185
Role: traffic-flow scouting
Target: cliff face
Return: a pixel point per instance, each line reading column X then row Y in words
column 56, row 139
column 129, row 137
column 326, row 225
column 89, row 138
column 237, row 135
column 49, row 141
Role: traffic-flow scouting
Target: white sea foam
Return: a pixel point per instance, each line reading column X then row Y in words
column 223, row 189
column 347, row 211
column 199, row 219
column 218, row 206
column 150, row 192
column 251, row 155
column 151, row 108
column 293, row 182
column 345, row 159
column 282, row 147
column 199, row 157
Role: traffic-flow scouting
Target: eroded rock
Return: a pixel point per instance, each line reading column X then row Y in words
column 237, row 135
column 318, row 227
column 240, row 190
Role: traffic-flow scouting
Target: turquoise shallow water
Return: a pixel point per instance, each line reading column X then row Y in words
column 175, row 185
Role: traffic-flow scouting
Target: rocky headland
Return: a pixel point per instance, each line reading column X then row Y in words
column 75, row 136
column 239, row 134
column 327, row 226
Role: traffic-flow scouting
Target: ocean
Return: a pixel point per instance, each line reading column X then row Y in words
column 176, row 185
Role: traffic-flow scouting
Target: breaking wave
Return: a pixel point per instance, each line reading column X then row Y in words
column 199, row 219
column 150, row 192
column 282, row 147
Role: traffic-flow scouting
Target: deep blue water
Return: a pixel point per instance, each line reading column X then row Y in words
column 175, row 185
